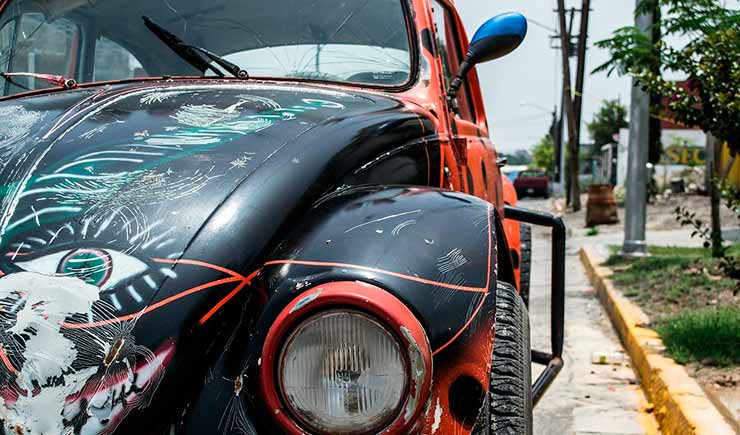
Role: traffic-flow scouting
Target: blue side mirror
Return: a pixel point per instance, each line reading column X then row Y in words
column 496, row 38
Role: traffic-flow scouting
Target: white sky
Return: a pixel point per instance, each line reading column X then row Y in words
column 532, row 73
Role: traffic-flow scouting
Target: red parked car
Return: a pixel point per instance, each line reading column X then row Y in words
column 532, row 183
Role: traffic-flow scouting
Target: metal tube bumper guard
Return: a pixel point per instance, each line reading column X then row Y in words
column 554, row 359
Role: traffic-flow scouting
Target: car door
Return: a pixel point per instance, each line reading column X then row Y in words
column 474, row 152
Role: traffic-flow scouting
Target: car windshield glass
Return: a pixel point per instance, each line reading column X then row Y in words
column 350, row 41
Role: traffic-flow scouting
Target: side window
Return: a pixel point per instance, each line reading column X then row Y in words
column 43, row 47
column 113, row 62
column 6, row 44
column 449, row 53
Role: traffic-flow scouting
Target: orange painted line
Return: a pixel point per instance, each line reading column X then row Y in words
column 401, row 275
column 152, row 307
column 384, row 272
column 417, row 279
column 6, row 361
column 228, row 297
column 221, row 303
column 488, row 283
column 490, row 248
column 467, row 324
column 199, row 263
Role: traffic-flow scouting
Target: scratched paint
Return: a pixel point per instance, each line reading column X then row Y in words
column 55, row 379
column 16, row 122
column 88, row 235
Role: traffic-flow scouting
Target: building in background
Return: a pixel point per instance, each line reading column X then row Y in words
column 683, row 156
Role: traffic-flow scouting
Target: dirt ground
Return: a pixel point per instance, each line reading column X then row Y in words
column 660, row 214
column 721, row 384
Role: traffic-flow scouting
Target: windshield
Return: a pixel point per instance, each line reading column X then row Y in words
column 350, row 41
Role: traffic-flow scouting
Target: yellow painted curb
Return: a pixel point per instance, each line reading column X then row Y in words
column 680, row 404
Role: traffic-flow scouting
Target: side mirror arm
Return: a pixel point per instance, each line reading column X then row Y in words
column 454, row 88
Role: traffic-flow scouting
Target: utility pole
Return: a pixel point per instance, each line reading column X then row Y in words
column 639, row 147
column 560, row 153
column 580, row 78
column 569, row 109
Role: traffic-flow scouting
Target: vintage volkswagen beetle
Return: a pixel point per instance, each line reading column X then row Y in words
column 244, row 217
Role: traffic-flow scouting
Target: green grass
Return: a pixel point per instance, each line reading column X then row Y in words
column 686, row 279
column 708, row 336
column 682, row 290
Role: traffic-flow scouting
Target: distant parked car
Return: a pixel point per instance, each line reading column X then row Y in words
column 532, row 183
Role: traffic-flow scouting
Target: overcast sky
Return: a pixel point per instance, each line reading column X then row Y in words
column 532, row 73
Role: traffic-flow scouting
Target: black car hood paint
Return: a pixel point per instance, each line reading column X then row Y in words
column 137, row 212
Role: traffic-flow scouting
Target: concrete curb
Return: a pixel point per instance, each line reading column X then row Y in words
column 680, row 404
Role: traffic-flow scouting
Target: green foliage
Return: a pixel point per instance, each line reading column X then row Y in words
column 592, row 231
column 543, row 155
column 517, row 158
column 680, row 289
column 709, row 61
column 709, row 334
column 611, row 117
column 729, row 263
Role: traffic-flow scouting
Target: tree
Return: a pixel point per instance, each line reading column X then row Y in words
column 517, row 158
column 543, row 155
column 611, row 117
column 709, row 61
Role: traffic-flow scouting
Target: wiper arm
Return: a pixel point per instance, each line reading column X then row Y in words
column 231, row 67
column 51, row 79
column 194, row 55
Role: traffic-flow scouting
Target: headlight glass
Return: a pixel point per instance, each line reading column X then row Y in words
column 342, row 372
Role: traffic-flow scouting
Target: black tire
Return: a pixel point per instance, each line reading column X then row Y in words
column 507, row 409
column 525, row 261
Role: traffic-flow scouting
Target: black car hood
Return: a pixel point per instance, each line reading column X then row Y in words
column 130, row 215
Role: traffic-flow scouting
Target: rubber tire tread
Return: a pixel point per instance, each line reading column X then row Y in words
column 508, row 406
column 525, row 237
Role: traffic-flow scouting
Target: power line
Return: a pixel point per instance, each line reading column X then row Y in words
column 543, row 26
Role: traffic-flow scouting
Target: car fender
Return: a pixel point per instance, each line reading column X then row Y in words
column 434, row 250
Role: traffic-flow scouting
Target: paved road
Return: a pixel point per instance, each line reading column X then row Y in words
column 586, row 398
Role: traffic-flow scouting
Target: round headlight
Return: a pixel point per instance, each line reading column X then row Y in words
column 342, row 372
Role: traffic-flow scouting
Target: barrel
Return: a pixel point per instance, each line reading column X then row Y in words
column 601, row 207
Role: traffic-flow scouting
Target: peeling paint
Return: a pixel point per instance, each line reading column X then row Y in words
column 418, row 372
column 438, row 411
column 305, row 301
column 55, row 378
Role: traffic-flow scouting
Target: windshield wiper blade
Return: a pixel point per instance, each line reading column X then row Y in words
column 231, row 67
column 51, row 79
column 194, row 54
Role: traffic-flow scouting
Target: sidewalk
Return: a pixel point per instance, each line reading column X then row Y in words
column 586, row 399
column 590, row 399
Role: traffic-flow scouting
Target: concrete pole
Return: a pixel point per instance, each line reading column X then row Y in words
column 637, row 174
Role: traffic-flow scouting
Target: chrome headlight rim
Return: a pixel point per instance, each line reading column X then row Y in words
column 352, row 311
column 371, row 300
